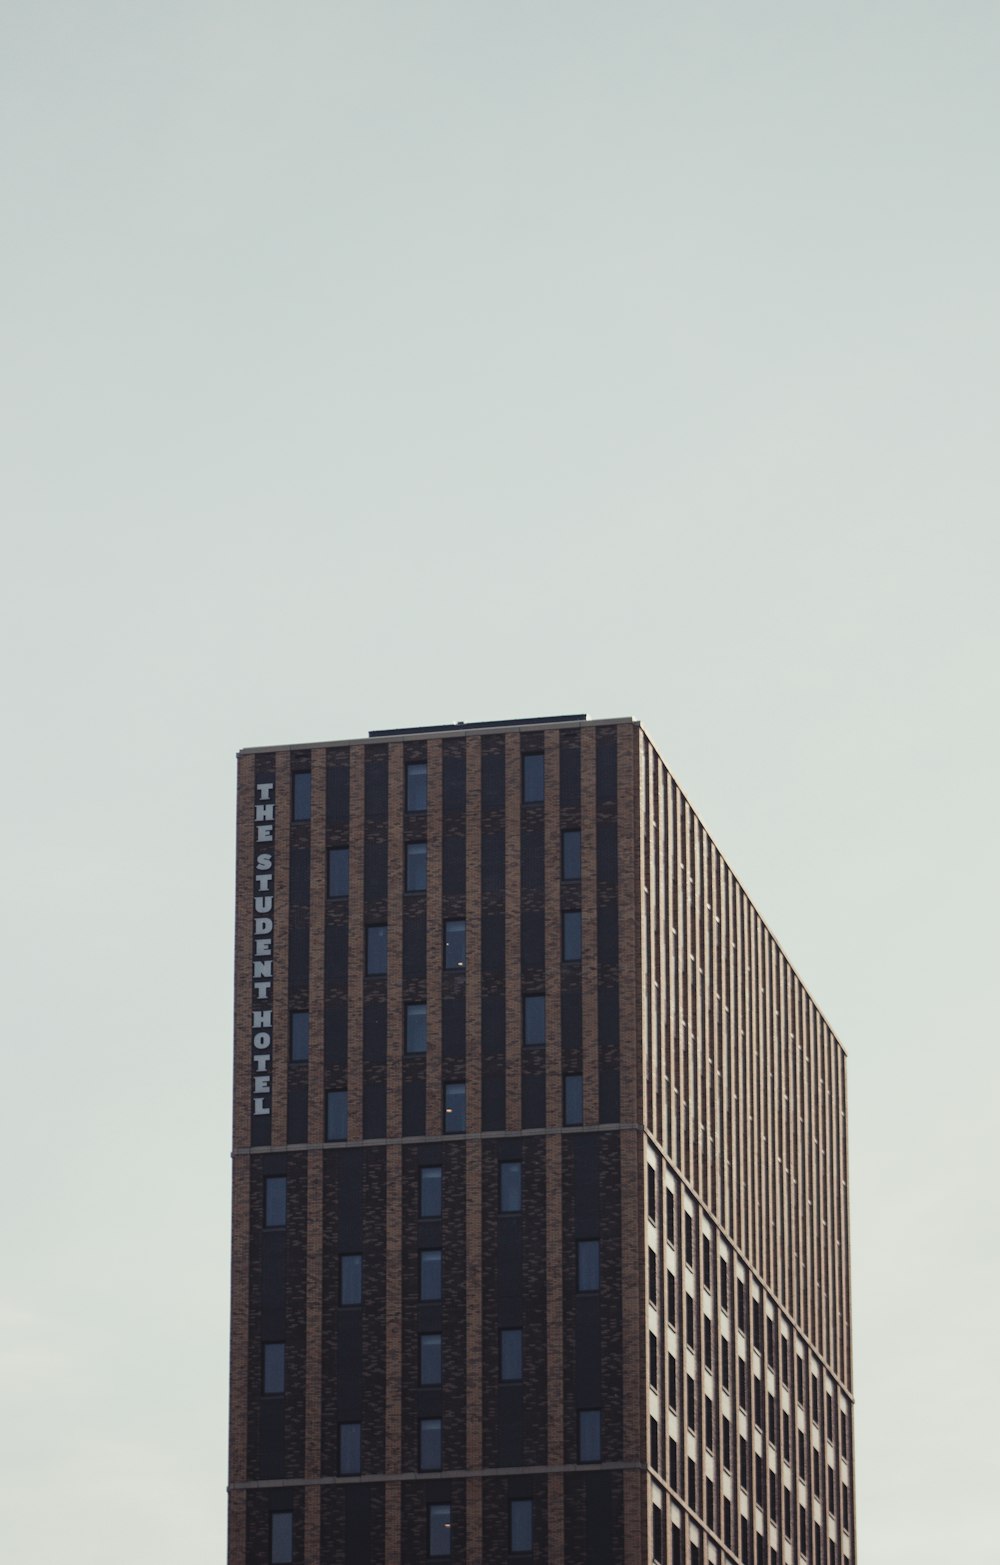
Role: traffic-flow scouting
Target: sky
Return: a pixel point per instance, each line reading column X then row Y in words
column 367, row 365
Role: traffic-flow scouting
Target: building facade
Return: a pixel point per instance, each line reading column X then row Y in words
column 540, row 1227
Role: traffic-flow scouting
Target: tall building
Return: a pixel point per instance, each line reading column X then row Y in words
column 540, row 1229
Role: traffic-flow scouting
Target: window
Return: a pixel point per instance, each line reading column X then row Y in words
column 588, row 1265
column 589, row 1435
column 654, row 1445
column 430, row 1275
column 273, row 1377
column 416, row 866
column 350, row 1449
column 572, row 940
column 510, row 1355
column 454, row 1108
column 510, row 1187
column 571, row 855
column 439, row 1531
column 350, row 1279
column 534, row 1019
column 416, row 1029
column 454, row 942
column 521, row 1529
column 533, row 778
column 430, row 1358
column 430, row 1192
column 275, row 1201
column 651, row 1193
column 301, row 796
column 416, row 785
column 300, row 1035
column 654, row 1375
column 377, row 950
column 337, row 873
column 336, row 1116
column 430, row 1445
column 572, row 1100
column 281, row 1538
column 657, row 1535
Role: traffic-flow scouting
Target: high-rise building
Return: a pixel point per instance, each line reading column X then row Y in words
column 540, row 1229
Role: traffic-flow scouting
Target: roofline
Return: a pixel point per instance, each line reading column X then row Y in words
column 448, row 731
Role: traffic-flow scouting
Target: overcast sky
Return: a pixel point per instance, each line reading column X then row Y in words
column 366, row 365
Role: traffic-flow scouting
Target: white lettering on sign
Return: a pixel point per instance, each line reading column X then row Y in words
column 263, row 966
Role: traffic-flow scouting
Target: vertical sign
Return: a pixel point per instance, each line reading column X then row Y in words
column 263, row 946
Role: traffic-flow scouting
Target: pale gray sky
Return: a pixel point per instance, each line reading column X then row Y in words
column 377, row 364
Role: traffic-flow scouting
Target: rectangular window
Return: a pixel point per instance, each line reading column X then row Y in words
column 273, row 1377
column 430, row 1192
column 301, row 796
column 454, row 1108
column 572, row 1100
column 454, row 943
column 416, row 866
column 571, row 855
column 588, row 1265
column 281, row 1538
column 510, row 1187
column 534, row 1020
column 416, row 785
column 650, row 1193
column 657, row 1535
column 416, row 1029
column 430, row 1358
column 336, row 1116
column 510, row 1355
column 439, row 1531
column 300, row 1035
column 430, row 1275
column 589, row 1435
column 572, row 936
column 350, row 1449
column 430, row 1445
column 275, row 1201
column 654, row 1376
column 350, row 1279
column 533, row 778
column 337, row 872
column 377, row 949
column 521, row 1526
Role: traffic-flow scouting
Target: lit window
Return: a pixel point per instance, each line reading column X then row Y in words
column 273, row 1379
column 350, row 1449
column 430, row 1192
column 510, row 1187
column 454, row 1108
column 430, row 1275
column 571, row 855
column 275, row 1201
column 534, row 1019
column 430, row 1358
column 281, row 1538
column 521, row 1529
column 454, row 942
column 416, row 866
column 438, row 1531
column 301, row 795
column 589, row 1435
column 416, row 1029
column 300, row 1035
column 572, row 936
column 377, row 949
column 588, row 1265
column 572, row 1100
column 337, row 872
column 510, row 1355
column 336, row 1116
column 533, row 778
column 416, row 785
column 350, row 1279
column 430, row 1445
